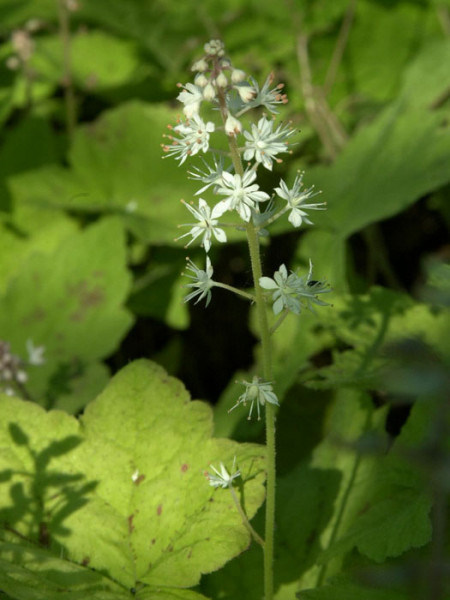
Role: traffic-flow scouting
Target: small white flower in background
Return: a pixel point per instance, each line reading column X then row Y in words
column 213, row 175
column 242, row 194
column 131, row 206
column 191, row 97
column 135, row 476
column 295, row 198
column 256, row 391
column 263, row 144
column 202, row 281
column 222, row 478
column 206, row 226
column 35, row 353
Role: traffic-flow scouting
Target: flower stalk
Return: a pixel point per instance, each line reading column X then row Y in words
column 234, row 94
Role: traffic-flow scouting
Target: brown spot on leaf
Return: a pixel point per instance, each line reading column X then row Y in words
column 87, row 298
column 153, row 541
column 159, row 509
column 130, row 523
column 139, row 479
column 86, row 560
column 184, row 468
column 38, row 314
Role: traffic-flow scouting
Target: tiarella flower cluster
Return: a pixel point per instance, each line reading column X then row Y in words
column 229, row 189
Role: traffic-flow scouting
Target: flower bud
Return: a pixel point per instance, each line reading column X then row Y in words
column 221, row 80
column 246, row 92
column 209, row 93
column 200, row 80
column 232, row 125
column 200, row 65
column 237, row 76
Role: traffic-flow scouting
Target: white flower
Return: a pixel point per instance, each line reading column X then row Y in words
column 232, row 125
column 194, row 137
column 294, row 292
column 263, row 144
column 202, row 281
column 222, row 478
column 211, row 177
column 206, row 226
column 267, row 97
column 242, row 194
column 131, row 206
column 296, row 198
column 285, row 292
column 256, row 391
column 35, row 353
column 191, row 97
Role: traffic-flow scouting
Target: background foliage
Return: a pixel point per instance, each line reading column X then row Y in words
column 90, row 270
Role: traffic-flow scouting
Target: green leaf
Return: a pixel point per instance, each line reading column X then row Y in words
column 383, row 161
column 344, row 590
column 30, row 573
column 382, row 507
column 98, row 60
column 31, row 229
column 118, row 167
column 70, row 301
column 123, row 489
column 17, row 154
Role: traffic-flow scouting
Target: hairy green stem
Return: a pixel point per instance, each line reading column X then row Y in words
column 264, row 333
column 230, row 288
column 244, row 518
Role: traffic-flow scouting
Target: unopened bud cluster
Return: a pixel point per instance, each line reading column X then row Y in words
column 12, row 372
column 22, row 44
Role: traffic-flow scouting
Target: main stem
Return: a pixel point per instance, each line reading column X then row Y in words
column 264, row 333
